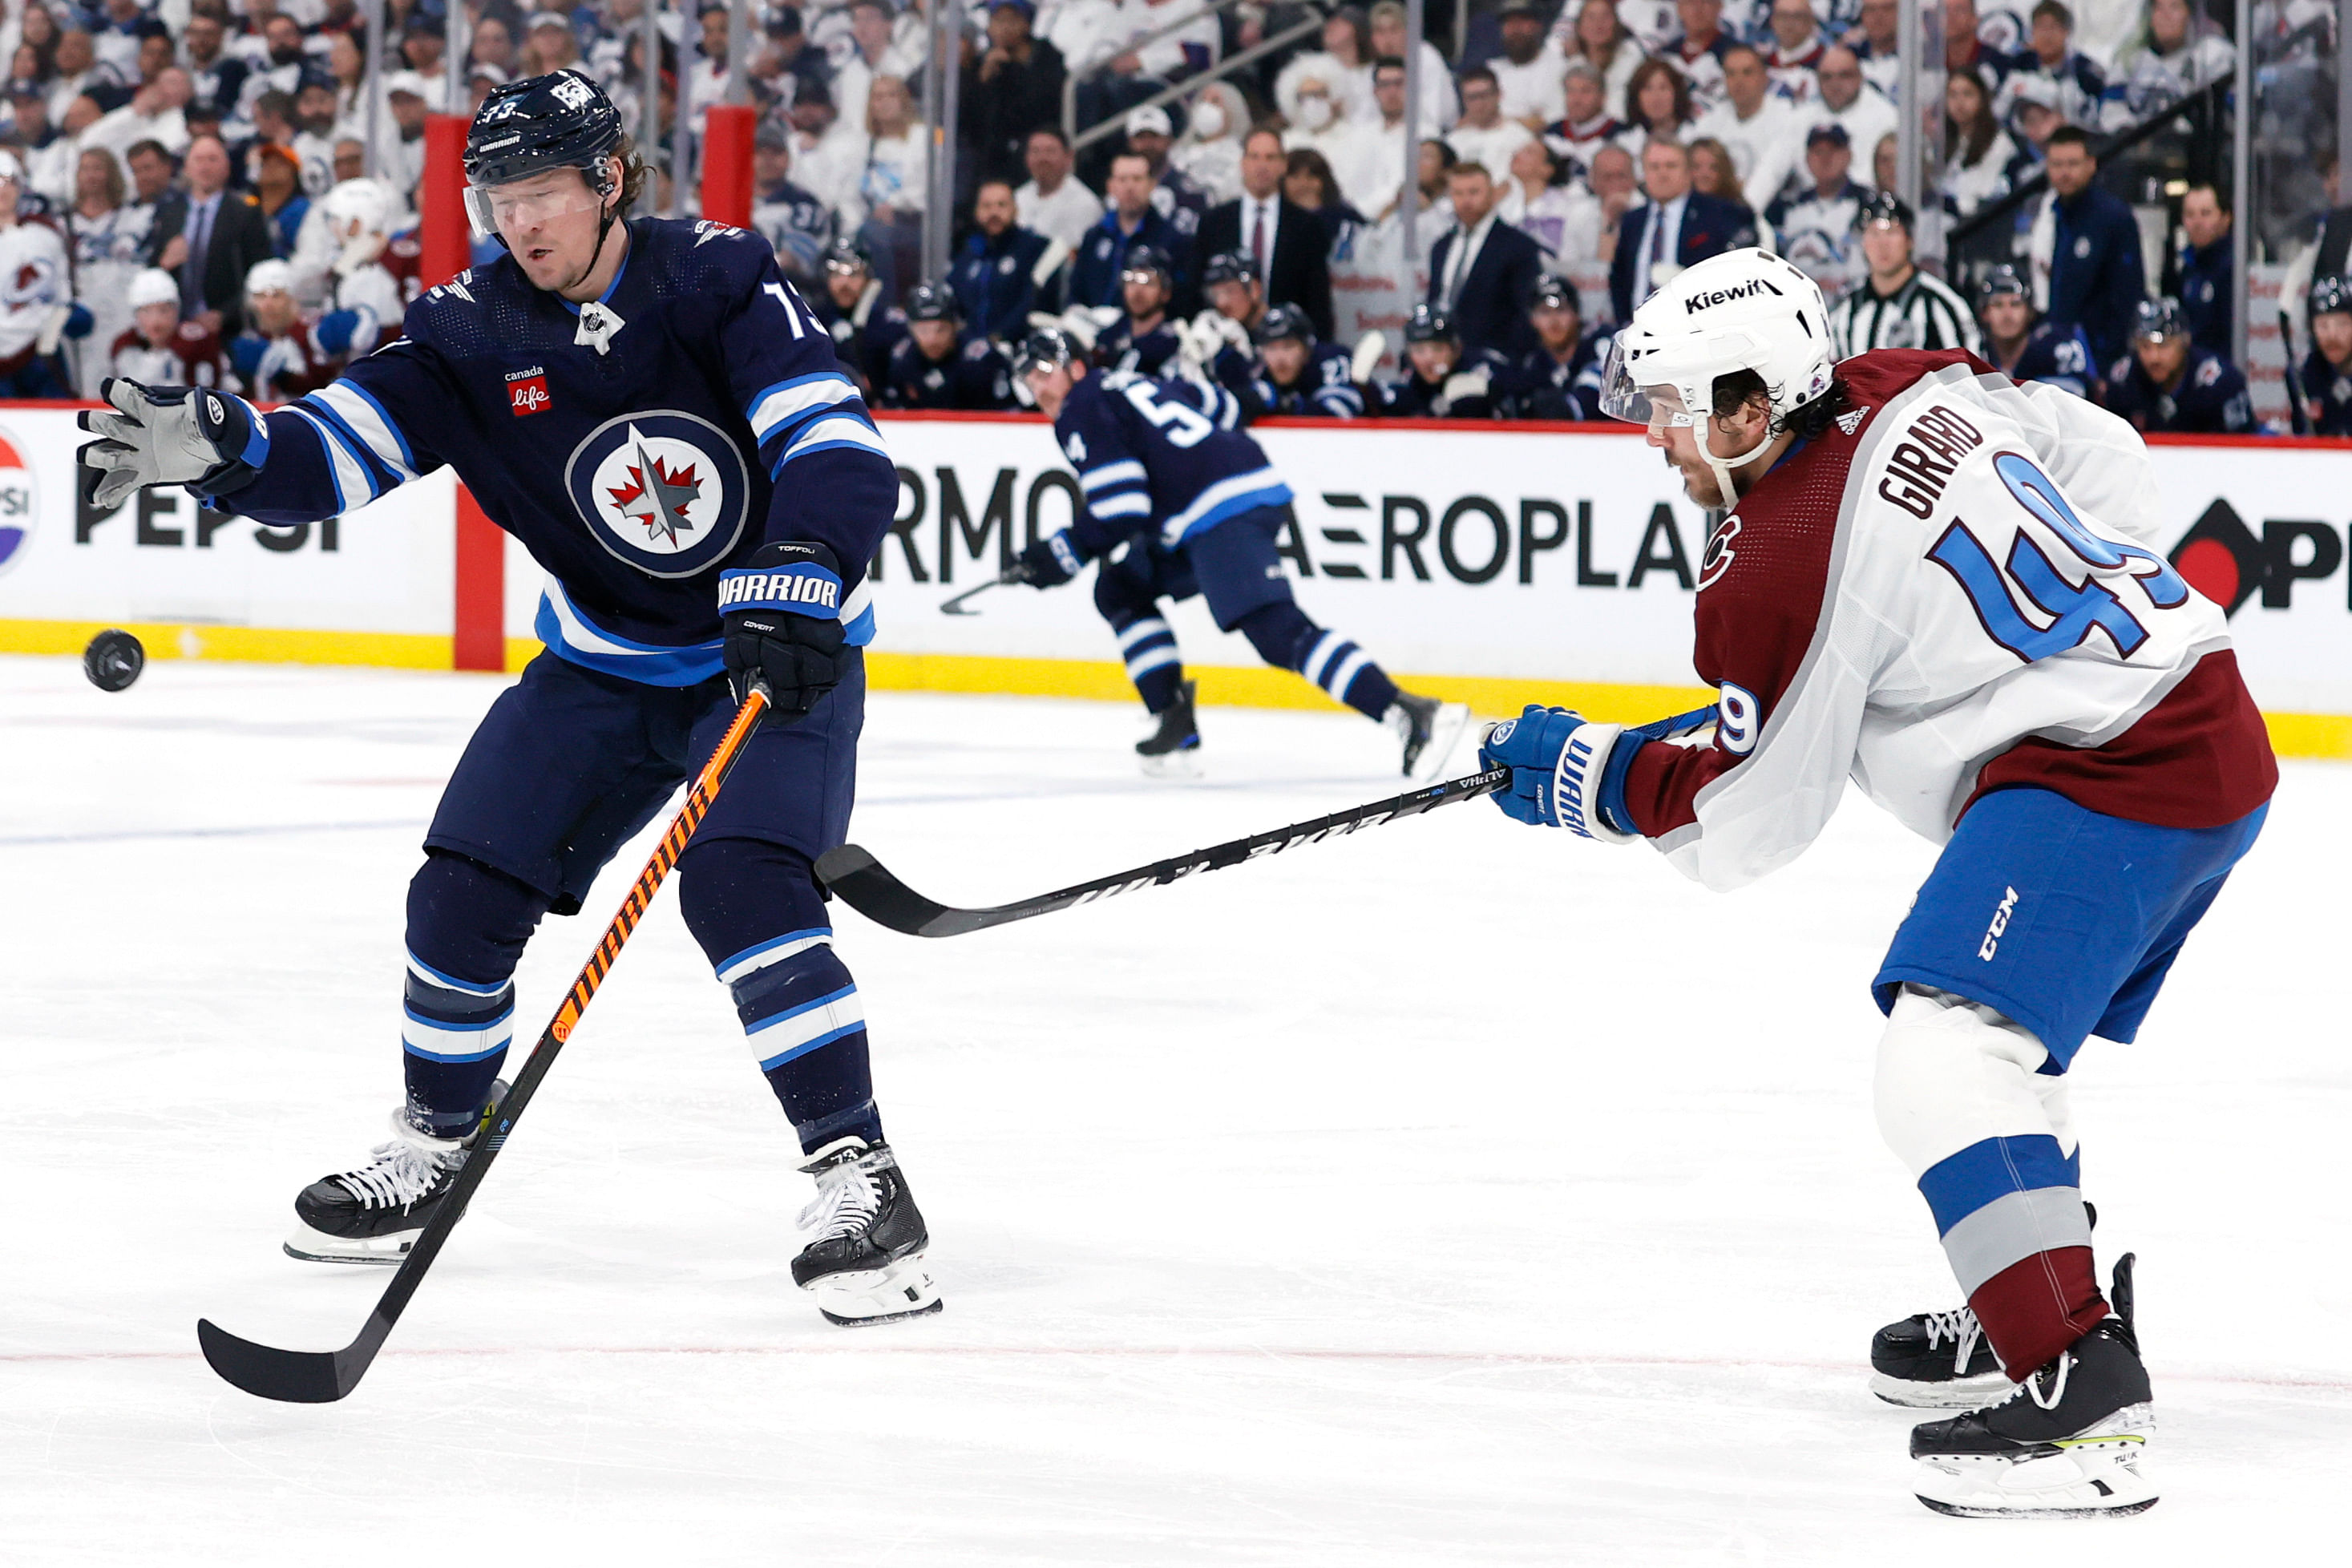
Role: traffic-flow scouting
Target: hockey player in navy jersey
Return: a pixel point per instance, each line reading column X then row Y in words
column 864, row 329
column 1294, row 373
column 2167, row 385
column 933, row 367
column 1143, row 340
column 2023, row 348
column 1560, row 378
column 1167, row 472
column 2328, row 370
column 660, row 419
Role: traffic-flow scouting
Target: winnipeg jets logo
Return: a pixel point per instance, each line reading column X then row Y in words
column 664, row 491
column 659, row 499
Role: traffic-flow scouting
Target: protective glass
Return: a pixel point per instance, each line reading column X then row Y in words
column 1659, row 407
column 520, row 205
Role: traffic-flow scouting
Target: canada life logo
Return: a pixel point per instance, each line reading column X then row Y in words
column 20, row 501
column 666, row 491
column 527, row 391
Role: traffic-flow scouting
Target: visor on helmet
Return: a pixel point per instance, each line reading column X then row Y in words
column 1659, row 407
column 536, row 198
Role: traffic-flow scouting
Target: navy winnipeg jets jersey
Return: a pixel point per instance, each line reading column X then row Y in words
column 1160, row 454
column 1326, row 387
column 2059, row 355
column 717, row 418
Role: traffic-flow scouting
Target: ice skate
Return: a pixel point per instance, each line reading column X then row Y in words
column 2070, row 1441
column 1173, row 750
column 866, row 1262
column 1428, row 730
column 1936, row 1360
column 374, row 1212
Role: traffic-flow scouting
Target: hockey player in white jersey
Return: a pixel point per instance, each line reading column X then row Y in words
column 1946, row 587
column 36, row 294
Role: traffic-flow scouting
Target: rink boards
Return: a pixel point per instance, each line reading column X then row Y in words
column 1500, row 564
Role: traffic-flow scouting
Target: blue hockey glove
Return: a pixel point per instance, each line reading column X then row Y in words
column 209, row 441
column 1561, row 773
column 1051, row 562
column 780, row 615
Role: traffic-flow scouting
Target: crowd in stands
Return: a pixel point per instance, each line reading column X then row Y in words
column 206, row 191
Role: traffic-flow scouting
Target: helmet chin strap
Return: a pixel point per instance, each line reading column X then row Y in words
column 1722, row 467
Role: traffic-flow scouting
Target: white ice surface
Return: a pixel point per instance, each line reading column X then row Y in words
column 1452, row 1192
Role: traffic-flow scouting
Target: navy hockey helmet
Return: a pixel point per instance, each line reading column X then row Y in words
column 847, row 257
column 933, row 303
column 558, row 121
column 2330, row 295
column 2157, row 320
column 1551, row 293
column 1046, row 348
column 1282, row 322
column 1885, row 207
column 1228, row 267
column 1147, row 258
column 2003, row 281
column 1428, row 324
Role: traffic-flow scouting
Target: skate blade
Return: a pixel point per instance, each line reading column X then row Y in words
column 1445, row 732
column 1952, row 1393
column 383, row 1251
column 902, row 1290
column 2084, row 1478
column 1180, row 766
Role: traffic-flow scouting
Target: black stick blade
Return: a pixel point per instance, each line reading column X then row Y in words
column 852, row 872
column 296, row 1377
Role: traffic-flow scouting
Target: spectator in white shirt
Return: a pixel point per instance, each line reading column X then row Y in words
column 876, row 52
column 1763, row 131
column 1698, row 52
column 1209, row 153
column 1846, row 99
column 1482, row 135
column 1528, row 69
column 1538, row 201
column 1439, row 107
column 1053, row 203
column 1346, row 57
column 1318, row 123
column 154, row 114
column 1796, row 48
column 1658, row 102
column 1598, row 37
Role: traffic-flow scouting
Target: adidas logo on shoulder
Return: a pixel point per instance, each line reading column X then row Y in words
column 1852, row 422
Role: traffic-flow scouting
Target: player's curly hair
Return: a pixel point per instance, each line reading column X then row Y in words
column 634, row 173
column 1808, row 423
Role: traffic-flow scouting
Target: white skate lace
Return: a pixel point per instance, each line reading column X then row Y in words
column 2031, row 1387
column 847, row 1198
column 1961, row 1327
column 402, row 1170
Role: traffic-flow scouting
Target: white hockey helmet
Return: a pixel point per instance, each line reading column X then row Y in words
column 269, row 277
column 1744, row 309
column 362, row 200
column 152, row 286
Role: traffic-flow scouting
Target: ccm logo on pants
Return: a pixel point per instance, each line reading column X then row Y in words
column 1991, row 944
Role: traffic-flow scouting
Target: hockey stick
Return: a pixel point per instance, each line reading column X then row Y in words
column 955, row 606
column 2292, row 378
column 867, row 885
column 870, row 888
column 318, row 1377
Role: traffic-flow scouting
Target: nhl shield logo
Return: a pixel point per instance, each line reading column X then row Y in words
column 666, row 491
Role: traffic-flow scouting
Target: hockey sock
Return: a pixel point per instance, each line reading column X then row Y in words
column 466, row 927
column 1149, row 645
column 1962, row 1099
column 1283, row 635
column 754, row 908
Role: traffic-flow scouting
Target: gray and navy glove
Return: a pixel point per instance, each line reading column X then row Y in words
column 1050, row 563
column 210, row 441
column 780, row 618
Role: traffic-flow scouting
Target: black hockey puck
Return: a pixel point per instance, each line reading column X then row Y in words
column 113, row 660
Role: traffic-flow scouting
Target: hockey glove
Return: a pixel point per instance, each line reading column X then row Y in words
column 780, row 614
column 1050, row 563
column 209, row 441
column 1560, row 775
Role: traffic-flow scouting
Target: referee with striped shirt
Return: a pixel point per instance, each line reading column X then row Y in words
column 1898, row 306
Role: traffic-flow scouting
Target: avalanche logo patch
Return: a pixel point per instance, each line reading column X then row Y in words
column 665, row 492
column 20, row 502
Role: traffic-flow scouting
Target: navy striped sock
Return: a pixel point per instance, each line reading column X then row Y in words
column 1153, row 663
column 807, row 1027
column 454, row 1036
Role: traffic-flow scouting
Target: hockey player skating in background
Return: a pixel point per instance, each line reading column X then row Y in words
column 660, row 419
column 285, row 350
column 1180, row 501
column 1945, row 585
column 160, row 349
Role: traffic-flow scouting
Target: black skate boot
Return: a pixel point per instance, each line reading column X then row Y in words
column 2069, row 1442
column 1939, row 1361
column 372, row 1213
column 1427, row 728
column 1173, row 750
column 1936, row 1360
column 866, row 1265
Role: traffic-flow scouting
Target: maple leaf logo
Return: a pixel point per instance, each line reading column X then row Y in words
column 657, row 497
